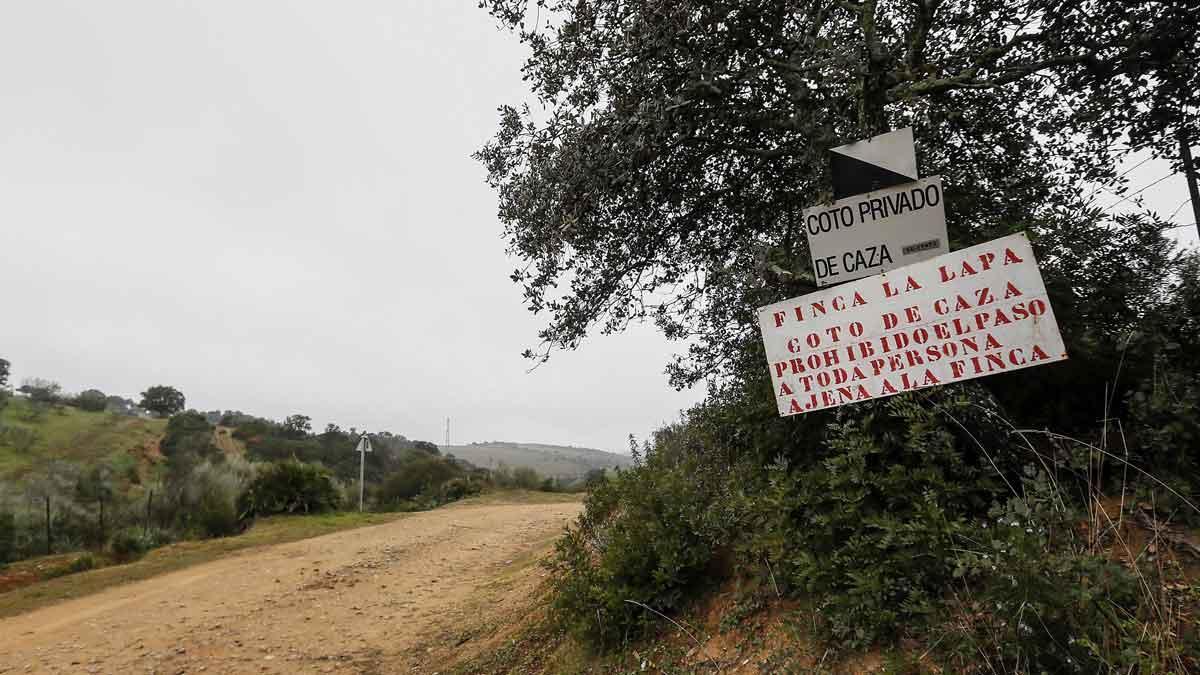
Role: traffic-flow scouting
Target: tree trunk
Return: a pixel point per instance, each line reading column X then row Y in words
column 1189, row 172
column 872, row 117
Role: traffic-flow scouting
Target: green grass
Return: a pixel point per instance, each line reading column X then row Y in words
column 70, row 434
column 266, row 532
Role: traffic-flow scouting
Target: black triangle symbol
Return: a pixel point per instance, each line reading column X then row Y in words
column 853, row 176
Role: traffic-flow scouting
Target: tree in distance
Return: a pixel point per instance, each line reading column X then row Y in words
column 297, row 426
column 92, row 400
column 41, row 391
column 5, row 367
column 162, row 400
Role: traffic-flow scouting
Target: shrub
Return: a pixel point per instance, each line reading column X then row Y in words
column 418, row 476
column 526, row 478
column 1030, row 597
column 209, row 499
column 460, row 488
column 651, row 534
column 129, row 544
column 290, row 487
column 188, row 432
column 80, row 563
column 92, row 400
column 21, row 439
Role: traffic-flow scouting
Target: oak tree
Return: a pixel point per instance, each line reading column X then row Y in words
column 162, row 400
column 672, row 146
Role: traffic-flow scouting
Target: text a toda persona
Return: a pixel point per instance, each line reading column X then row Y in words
column 963, row 315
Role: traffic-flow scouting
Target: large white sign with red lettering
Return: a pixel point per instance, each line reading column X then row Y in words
column 975, row 312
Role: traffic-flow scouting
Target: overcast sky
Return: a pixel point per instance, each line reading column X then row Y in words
column 271, row 206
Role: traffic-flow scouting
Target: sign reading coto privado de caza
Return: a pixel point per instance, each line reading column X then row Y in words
column 975, row 312
column 878, row 231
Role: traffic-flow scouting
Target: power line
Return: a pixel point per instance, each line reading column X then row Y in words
column 1130, row 196
column 1118, row 177
column 1122, row 174
column 1177, row 208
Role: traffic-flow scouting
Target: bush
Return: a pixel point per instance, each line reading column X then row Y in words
column 869, row 523
column 460, row 488
column 651, row 534
column 21, row 439
column 81, row 563
column 290, row 487
column 209, row 499
column 129, row 544
column 526, row 478
column 421, row 475
column 92, row 400
column 188, row 432
column 1031, row 598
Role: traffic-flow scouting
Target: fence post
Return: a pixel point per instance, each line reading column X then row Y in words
column 149, row 500
column 48, row 548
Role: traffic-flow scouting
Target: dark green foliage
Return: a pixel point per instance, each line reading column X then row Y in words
column 5, row 368
column 297, row 426
column 162, row 400
column 289, row 487
column 460, row 488
column 81, row 563
column 187, row 442
column 869, row 522
column 188, row 432
column 1031, row 598
column 130, row 543
column 8, row 537
column 428, row 447
column 92, row 400
column 422, row 475
column 42, row 391
column 651, row 535
column 251, row 429
column 679, row 143
column 216, row 517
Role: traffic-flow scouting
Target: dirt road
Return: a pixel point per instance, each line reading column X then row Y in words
column 385, row 599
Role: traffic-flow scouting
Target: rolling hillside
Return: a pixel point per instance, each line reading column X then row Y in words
column 29, row 437
column 557, row 461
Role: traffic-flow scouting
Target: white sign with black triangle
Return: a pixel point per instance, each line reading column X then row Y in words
column 883, row 216
column 364, row 444
column 879, row 162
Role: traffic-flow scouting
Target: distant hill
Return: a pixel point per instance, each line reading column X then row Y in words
column 557, row 461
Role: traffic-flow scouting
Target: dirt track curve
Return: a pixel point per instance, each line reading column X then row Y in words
column 381, row 599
